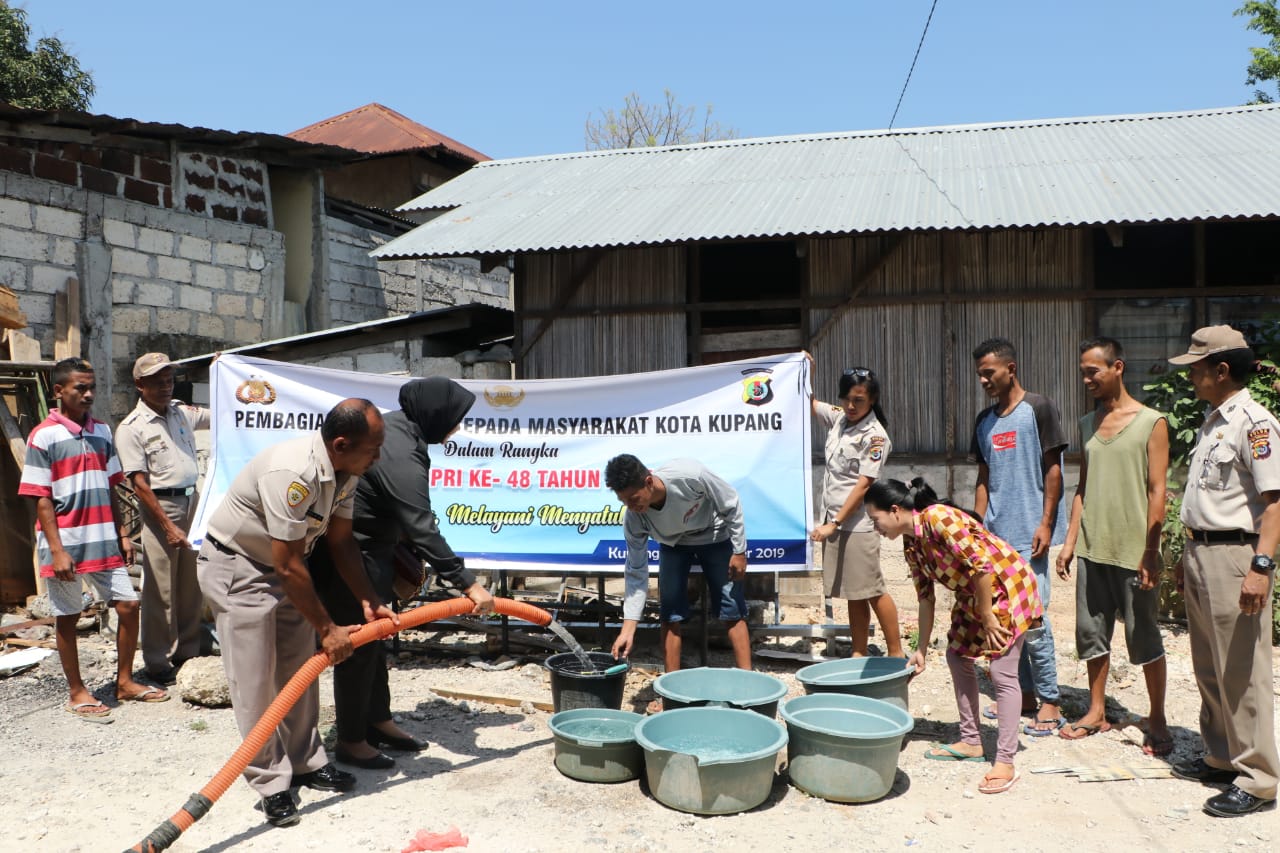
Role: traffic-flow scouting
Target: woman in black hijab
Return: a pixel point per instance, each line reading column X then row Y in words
column 392, row 508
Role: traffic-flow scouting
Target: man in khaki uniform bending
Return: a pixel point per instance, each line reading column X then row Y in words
column 156, row 443
column 1231, row 511
column 252, row 568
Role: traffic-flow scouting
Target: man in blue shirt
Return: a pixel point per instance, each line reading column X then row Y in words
column 1018, row 442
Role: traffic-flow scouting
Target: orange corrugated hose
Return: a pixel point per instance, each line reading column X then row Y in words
column 199, row 803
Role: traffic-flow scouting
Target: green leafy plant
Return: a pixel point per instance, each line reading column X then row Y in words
column 197, row 725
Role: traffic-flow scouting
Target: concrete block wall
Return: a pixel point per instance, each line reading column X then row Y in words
column 187, row 284
column 360, row 289
column 405, row 359
column 41, row 225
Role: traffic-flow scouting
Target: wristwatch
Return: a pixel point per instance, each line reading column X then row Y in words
column 1262, row 564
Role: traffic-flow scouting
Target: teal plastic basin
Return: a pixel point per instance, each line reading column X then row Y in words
column 877, row 678
column 597, row 744
column 721, row 687
column 710, row 760
column 842, row 747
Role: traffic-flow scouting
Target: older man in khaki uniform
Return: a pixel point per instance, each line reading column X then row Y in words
column 1231, row 511
column 252, row 568
column 156, row 443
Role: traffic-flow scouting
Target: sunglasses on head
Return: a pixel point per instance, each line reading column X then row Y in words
column 858, row 372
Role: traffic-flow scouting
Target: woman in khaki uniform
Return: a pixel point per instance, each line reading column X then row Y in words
column 856, row 448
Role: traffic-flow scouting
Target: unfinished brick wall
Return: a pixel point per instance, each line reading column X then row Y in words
column 144, row 177
column 228, row 188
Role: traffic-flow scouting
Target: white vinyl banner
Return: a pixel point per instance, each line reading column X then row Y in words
column 521, row 484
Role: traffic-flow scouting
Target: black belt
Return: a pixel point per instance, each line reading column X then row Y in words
column 1241, row 536
column 173, row 493
column 223, row 548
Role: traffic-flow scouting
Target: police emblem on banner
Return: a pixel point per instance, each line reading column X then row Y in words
column 757, row 390
column 255, row 390
column 503, row 396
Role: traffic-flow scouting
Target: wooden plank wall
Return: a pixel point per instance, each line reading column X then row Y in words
column 932, row 298
column 630, row 339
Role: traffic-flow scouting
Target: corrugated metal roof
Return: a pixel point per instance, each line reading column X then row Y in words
column 1209, row 164
column 376, row 129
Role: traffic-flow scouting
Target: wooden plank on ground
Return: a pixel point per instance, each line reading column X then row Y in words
column 30, row 644
column 11, row 316
column 511, row 701
column 9, row 629
column 66, row 318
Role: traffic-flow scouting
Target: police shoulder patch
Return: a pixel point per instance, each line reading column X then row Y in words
column 297, row 493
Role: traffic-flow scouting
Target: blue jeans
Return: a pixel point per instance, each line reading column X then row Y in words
column 674, row 562
column 1038, row 670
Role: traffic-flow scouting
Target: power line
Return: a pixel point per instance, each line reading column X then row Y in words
column 913, row 65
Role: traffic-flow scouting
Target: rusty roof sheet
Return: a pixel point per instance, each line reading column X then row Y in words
column 376, row 129
column 1209, row 164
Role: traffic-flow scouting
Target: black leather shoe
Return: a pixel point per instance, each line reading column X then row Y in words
column 280, row 810
column 1233, row 803
column 327, row 778
column 1198, row 771
column 404, row 744
column 375, row 762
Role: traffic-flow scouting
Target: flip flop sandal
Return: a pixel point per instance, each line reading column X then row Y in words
column 999, row 785
column 79, row 710
column 1088, row 729
column 160, row 696
column 1030, row 728
column 950, row 754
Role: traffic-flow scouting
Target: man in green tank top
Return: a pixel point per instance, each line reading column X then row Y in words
column 1116, row 516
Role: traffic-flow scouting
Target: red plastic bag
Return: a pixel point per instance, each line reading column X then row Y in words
column 424, row 840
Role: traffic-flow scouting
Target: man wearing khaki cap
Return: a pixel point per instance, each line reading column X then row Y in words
column 1231, row 511
column 157, row 447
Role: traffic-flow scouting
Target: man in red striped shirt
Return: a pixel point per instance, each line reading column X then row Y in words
column 71, row 471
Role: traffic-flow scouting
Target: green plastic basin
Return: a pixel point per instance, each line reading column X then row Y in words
column 877, row 678
column 597, row 744
column 842, row 747
column 710, row 760
column 721, row 687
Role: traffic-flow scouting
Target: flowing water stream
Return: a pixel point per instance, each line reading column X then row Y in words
column 588, row 666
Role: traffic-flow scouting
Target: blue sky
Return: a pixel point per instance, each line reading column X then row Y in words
column 520, row 78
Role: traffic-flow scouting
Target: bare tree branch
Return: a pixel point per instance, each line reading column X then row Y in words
column 641, row 124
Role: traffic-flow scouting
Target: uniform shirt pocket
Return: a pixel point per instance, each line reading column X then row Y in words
column 159, row 454
column 1216, row 473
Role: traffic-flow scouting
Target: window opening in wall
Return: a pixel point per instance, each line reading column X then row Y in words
column 749, row 273
column 1242, row 254
column 1144, row 257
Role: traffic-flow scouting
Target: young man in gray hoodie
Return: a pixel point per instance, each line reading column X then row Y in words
column 693, row 514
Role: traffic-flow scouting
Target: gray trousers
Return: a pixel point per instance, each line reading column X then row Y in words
column 1231, row 656
column 264, row 641
column 171, row 598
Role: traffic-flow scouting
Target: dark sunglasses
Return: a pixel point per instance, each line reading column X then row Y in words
column 859, row 373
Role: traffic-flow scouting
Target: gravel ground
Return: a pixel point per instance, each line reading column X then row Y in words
column 75, row 786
